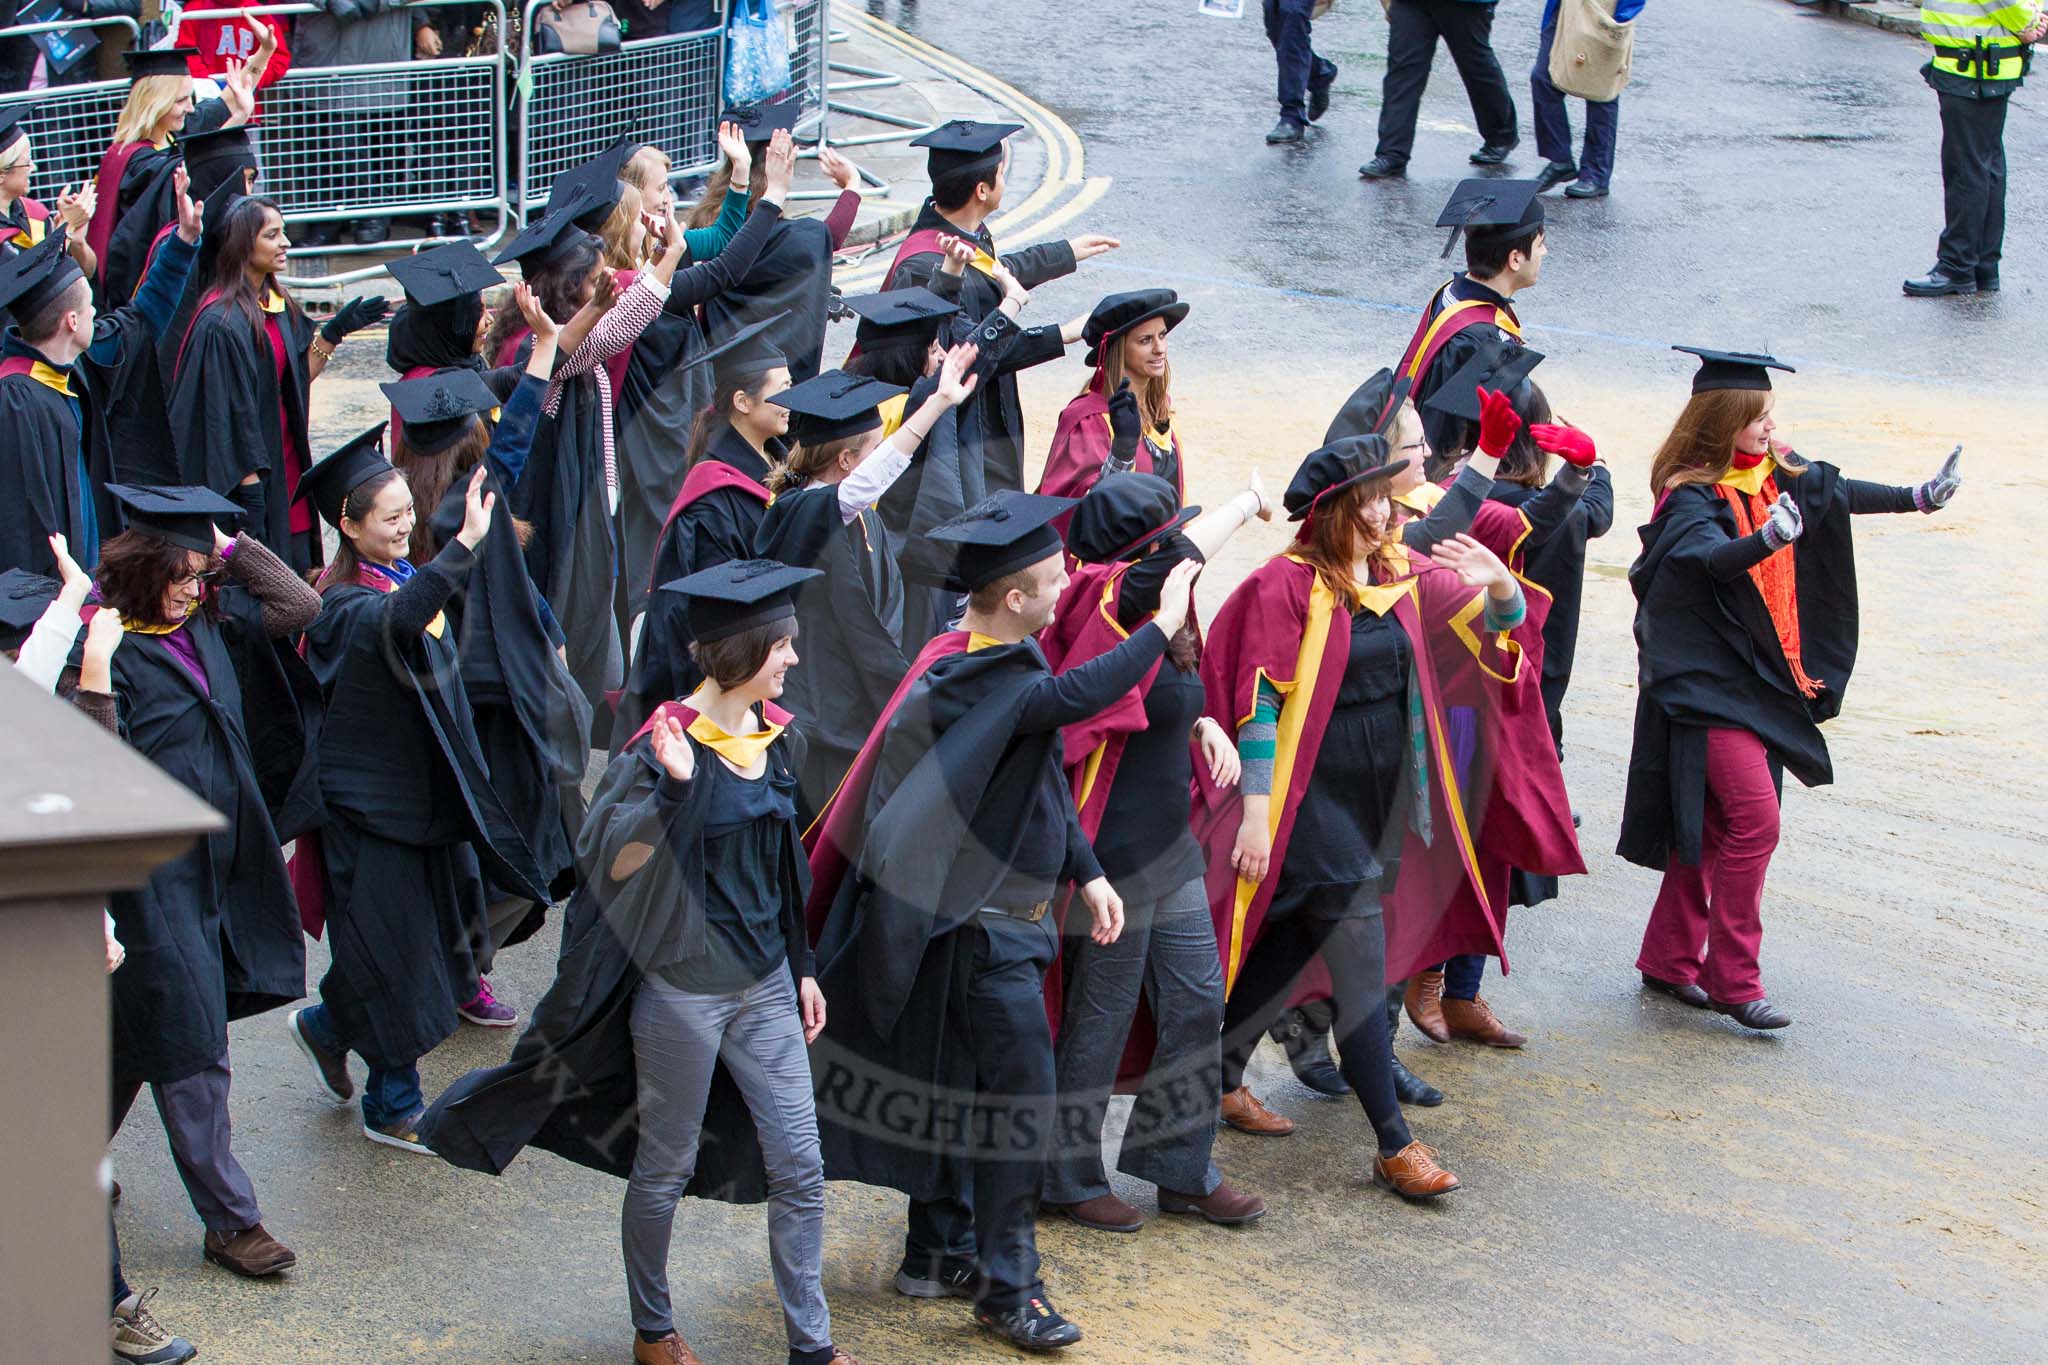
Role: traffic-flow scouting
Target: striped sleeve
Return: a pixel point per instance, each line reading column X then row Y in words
column 1257, row 741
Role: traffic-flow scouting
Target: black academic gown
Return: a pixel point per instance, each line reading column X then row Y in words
column 996, row 414
column 145, row 203
column 532, row 721
column 39, row 479
column 850, row 630
column 571, row 1086
column 1448, row 433
column 715, row 528
column 967, row 754
column 573, row 555
column 1710, row 657
column 224, row 416
column 214, row 934
column 792, row 275
column 416, row 823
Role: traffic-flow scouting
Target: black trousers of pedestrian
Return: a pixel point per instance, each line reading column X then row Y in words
column 994, row 1216
column 1355, row 951
column 1287, row 29
column 1972, row 185
column 1413, row 27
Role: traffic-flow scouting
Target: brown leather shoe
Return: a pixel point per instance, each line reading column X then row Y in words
column 1104, row 1213
column 1413, row 1173
column 251, row 1252
column 1425, row 1005
column 670, row 1350
column 842, row 1356
column 1242, row 1111
column 1473, row 1021
column 1223, row 1206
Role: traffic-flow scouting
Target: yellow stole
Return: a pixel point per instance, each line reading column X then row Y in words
column 1750, row 481
column 742, row 751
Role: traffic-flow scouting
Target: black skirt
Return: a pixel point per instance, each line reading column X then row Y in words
column 1345, row 849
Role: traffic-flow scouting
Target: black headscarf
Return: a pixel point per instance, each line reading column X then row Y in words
column 440, row 337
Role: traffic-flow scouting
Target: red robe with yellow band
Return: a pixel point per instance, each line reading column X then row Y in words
column 1080, row 444
column 1284, row 625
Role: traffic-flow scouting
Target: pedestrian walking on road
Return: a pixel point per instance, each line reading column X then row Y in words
column 1982, row 50
column 1305, row 75
column 1466, row 28
column 1595, row 166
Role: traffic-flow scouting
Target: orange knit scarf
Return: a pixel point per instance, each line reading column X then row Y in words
column 1776, row 577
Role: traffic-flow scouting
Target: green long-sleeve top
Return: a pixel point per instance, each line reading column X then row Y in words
column 706, row 242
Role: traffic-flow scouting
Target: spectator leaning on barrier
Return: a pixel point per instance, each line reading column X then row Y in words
column 216, row 42
column 366, row 126
column 644, row 19
column 24, row 65
column 1982, row 49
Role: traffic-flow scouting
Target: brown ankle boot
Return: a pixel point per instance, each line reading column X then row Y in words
column 1473, row 1020
column 1413, row 1173
column 1242, row 1111
column 1424, row 1003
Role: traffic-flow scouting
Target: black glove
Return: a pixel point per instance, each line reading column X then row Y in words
column 354, row 316
column 255, row 505
column 1124, row 426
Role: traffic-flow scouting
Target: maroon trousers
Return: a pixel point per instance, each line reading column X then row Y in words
column 1707, row 926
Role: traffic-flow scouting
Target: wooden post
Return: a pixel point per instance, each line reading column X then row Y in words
column 81, row 815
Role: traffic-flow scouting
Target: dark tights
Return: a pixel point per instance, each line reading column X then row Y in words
column 1355, row 950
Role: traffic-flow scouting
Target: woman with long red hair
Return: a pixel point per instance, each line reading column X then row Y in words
column 1746, row 624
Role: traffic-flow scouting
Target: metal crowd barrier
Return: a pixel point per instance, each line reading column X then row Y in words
column 667, row 91
column 447, row 135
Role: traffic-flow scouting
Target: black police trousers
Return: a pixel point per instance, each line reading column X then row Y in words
column 1972, row 185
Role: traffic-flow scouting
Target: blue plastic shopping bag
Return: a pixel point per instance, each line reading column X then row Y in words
column 756, row 53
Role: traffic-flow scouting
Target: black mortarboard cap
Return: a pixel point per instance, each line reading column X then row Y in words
column 1119, row 313
column 596, row 180
column 162, row 61
column 183, row 516
column 1496, row 367
column 212, row 157
column 36, row 276
column 746, row 355
column 444, row 274
column 24, row 596
column 963, row 144
column 898, row 317
column 834, row 405
column 759, row 122
column 546, row 238
column 327, row 484
column 10, row 125
column 1733, row 369
column 738, row 595
column 1004, row 532
column 1371, row 407
column 1124, row 513
column 1507, row 208
column 437, row 409
column 1335, row 467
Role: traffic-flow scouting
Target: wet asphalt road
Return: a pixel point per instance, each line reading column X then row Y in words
column 1641, row 1180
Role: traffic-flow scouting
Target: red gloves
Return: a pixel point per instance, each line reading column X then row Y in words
column 1498, row 423
column 1575, row 446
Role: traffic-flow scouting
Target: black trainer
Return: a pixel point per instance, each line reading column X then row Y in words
column 1383, row 168
column 331, row 1070
column 1286, row 131
column 1033, row 1325
column 951, row 1278
column 1492, row 153
column 1556, row 173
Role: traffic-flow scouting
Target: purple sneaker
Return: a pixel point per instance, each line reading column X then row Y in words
column 487, row 1010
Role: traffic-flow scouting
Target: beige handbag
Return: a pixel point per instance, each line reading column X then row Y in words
column 1590, row 53
column 582, row 28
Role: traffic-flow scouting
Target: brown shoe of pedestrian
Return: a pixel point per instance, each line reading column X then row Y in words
column 842, row 1356
column 1413, row 1173
column 1223, row 1206
column 1473, row 1021
column 1105, row 1213
column 1425, row 1005
column 1242, row 1111
column 670, row 1350
column 252, row 1252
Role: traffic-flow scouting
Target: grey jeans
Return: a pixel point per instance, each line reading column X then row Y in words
column 758, row 1033
column 1167, row 950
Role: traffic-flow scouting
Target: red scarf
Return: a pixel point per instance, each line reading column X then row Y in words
column 1777, row 576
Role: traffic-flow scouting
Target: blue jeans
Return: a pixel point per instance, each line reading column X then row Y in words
column 1554, row 124
column 1287, row 29
column 1462, row 975
column 390, row 1094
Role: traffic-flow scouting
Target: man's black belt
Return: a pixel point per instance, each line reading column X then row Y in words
column 1981, row 55
column 1030, row 914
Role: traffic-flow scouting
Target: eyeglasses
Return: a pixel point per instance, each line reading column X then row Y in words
column 204, row 579
column 1412, row 445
